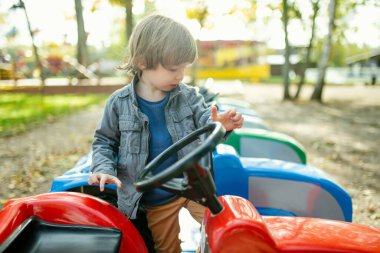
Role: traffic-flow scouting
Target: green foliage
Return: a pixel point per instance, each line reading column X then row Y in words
column 198, row 11
column 340, row 52
column 117, row 2
column 2, row 18
column 279, row 80
column 273, row 80
column 294, row 11
column 20, row 112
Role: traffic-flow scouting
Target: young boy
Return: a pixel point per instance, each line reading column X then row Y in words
column 144, row 118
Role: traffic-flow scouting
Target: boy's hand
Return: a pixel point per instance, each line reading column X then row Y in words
column 102, row 179
column 230, row 119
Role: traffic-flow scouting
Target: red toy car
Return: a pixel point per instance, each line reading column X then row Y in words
column 75, row 222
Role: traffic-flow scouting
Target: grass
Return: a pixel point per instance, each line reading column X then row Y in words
column 279, row 80
column 272, row 80
column 20, row 112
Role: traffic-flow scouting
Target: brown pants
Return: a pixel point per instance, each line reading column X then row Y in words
column 164, row 223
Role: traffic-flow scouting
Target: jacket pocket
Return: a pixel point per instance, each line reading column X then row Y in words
column 182, row 113
column 183, row 121
column 130, row 136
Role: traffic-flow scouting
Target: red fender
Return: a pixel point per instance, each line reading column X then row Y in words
column 240, row 228
column 70, row 208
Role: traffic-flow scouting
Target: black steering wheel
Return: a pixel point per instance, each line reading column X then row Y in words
column 197, row 183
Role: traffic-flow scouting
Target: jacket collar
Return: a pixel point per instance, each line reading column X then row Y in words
column 131, row 90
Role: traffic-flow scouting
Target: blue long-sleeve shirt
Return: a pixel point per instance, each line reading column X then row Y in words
column 159, row 140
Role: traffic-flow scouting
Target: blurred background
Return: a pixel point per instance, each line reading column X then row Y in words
column 289, row 41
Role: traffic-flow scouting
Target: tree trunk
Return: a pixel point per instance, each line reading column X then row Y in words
column 315, row 4
column 128, row 18
column 318, row 90
column 82, row 54
column 35, row 49
column 286, row 66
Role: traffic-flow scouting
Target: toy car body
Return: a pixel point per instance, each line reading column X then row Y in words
column 262, row 143
column 280, row 188
column 251, row 118
column 76, row 222
column 275, row 187
column 256, row 139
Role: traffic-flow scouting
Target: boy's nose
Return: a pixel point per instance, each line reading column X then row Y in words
column 179, row 76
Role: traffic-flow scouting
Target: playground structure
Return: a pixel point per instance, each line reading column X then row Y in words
column 10, row 71
column 229, row 60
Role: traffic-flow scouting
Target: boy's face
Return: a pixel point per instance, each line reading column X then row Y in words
column 164, row 79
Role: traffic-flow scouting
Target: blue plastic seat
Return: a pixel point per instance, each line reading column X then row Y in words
column 278, row 187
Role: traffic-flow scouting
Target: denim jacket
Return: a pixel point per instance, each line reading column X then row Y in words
column 121, row 140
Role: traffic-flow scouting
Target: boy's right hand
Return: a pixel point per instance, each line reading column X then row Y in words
column 102, row 179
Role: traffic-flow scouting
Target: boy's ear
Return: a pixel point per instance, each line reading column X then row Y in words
column 141, row 65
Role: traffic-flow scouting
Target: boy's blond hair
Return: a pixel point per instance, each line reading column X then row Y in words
column 159, row 40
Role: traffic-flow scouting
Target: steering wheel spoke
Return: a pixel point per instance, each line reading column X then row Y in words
column 175, row 185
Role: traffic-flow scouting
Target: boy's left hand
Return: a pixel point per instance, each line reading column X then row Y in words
column 230, row 119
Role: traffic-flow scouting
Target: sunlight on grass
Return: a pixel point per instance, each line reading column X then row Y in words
column 19, row 112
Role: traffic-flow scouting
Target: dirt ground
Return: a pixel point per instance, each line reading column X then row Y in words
column 340, row 136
